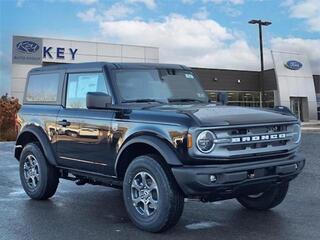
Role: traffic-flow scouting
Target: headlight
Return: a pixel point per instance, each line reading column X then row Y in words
column 205, row 141
column 296, row 133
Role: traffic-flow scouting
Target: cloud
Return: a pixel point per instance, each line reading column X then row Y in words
column 116, row 11
column 286, row 3
column 86, row 2
column 187, row 1
column 201, row 14
column 230, row 11
column 151, row 4
column 194, row 42
column 308, row 46
column 89, row 15
column 20, row 3
column 308, row 10
column 235, row 2
column 227, row 7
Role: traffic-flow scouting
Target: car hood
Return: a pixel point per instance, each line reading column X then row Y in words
column 216, row 115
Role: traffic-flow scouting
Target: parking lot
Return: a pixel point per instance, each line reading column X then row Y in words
column 95, row 212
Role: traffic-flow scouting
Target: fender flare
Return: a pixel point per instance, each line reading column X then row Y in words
column 42, row 139
column 161, row 146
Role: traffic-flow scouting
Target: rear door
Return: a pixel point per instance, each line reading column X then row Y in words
column 84, row 135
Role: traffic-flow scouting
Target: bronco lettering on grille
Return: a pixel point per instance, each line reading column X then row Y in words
column 258, row 138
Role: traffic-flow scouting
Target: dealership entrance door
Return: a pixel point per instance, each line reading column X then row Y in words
column 299, row 106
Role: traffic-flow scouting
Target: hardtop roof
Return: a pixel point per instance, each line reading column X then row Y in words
column 111, row 65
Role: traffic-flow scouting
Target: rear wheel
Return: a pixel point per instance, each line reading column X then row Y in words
column 152, row 199
column 39, row 179
column 265, row 200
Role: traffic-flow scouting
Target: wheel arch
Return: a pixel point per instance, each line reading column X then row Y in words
column 33, row 133
column 143, row 145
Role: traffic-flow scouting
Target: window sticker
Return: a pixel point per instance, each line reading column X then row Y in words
column 87, row 84
column 72, row 89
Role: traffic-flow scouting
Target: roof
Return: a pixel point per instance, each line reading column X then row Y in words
column 94, row 65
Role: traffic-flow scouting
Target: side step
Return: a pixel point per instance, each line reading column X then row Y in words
column 85, row 177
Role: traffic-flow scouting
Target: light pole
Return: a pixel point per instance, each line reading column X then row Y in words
column 261, row 23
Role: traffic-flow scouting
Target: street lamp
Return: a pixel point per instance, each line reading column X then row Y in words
column 261, row 23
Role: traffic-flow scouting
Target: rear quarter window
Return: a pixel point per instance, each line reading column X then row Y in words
column 42, row 88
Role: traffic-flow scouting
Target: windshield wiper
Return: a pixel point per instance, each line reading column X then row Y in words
column 144, row 100
column 184, row 100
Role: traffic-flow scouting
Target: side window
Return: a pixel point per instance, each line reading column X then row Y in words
column 43, row 88
column 79, row 84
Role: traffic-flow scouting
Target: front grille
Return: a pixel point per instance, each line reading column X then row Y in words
column 244, row 141
column 257, row 130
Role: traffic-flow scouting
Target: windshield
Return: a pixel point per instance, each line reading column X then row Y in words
column 163, row 85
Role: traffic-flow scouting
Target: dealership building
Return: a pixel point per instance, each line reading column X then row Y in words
column 31, row 52
column 290, row 83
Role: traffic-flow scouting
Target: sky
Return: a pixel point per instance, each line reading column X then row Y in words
column 203, row 33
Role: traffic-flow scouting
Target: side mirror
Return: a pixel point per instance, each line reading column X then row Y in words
column 98, row 100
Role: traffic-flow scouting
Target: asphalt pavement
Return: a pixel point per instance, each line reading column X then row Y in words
column 96, row 212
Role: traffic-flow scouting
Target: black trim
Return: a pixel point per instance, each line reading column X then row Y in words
column 195, row 180
column 42, row 139
column 92, row 177
column 166, row 152
column 244, row 158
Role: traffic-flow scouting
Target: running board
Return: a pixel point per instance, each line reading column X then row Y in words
column 82, row 177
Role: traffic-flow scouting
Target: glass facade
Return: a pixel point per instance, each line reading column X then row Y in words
column 245, row 98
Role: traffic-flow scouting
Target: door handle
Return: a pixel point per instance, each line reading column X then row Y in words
column 64, row 123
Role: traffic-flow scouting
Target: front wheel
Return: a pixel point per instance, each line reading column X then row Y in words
column 152, row 199
column 265, row 200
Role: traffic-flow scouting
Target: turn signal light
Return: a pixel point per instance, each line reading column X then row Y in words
column 189, row 141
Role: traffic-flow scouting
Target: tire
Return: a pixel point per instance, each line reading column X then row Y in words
column 41, row 181
column 266, row 200
column 166, row 200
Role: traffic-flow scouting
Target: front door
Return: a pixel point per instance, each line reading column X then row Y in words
column 296, row 106
column 84, row 135
column 299, row 106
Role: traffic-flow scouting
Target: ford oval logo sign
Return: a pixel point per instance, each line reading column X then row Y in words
column 293, row 65
column 27, row 47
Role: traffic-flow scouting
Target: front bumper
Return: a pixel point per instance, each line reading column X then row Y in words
column 236, row 178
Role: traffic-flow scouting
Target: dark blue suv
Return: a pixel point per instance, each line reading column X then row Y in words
column 151, row 130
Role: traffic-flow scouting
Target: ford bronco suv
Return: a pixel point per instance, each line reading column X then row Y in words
column 151, row 130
